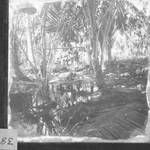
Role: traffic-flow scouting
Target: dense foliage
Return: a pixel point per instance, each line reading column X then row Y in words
column 64, row 58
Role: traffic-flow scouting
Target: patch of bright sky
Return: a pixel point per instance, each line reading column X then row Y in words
column 140, row 4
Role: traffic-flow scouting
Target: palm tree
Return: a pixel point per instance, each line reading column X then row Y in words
column 100, row 27
column 103, row 27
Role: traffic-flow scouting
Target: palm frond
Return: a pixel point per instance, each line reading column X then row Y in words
column 120, row 15
column 112, row 19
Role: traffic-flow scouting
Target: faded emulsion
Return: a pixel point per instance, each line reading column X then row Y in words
column 78, row 70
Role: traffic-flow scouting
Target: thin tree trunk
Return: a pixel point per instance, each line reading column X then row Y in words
column 44, row 61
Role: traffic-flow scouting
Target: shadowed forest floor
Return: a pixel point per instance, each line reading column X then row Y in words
column 119, row 111
column 119, row 114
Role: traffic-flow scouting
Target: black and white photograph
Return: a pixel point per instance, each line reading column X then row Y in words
column 79, row 70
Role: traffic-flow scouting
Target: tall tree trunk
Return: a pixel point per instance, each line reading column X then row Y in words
column 94, row 43
column 15, row 60
column 30, row 52
column 148, row 86
column 147, row 130
column 97, row 67
column 109, row 54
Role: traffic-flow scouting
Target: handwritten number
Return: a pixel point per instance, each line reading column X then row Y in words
column 10, row 141
column 3, row 141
